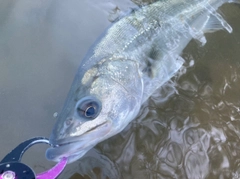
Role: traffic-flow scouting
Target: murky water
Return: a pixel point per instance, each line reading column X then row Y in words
column 188, row 129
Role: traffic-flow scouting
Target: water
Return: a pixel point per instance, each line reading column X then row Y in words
column 188, row 129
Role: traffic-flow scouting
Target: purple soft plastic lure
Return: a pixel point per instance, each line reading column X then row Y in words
column 50, row 174
column 53, row 172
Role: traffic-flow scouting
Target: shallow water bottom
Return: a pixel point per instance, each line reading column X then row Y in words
column 190, row 128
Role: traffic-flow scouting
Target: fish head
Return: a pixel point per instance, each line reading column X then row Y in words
column 97, row 109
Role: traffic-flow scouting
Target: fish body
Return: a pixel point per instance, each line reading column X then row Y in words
column 132, row 58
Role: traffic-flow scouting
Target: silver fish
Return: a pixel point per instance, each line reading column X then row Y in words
column 134, row 57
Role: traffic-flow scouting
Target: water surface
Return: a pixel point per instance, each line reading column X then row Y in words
column 190, row 128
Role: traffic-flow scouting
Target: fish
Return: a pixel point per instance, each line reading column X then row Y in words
column 134, row 57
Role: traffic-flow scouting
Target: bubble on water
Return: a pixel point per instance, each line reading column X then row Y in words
column 218, row 135
column 225, row 163
column 55, row 115
column 196, row 165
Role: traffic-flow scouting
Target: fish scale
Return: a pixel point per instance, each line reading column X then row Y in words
column 135, row 56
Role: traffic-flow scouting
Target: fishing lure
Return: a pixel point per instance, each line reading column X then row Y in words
column 11, row 166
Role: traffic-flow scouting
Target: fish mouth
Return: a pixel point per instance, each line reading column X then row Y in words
column 70, row 140
column 74, row 148
column 71, row 150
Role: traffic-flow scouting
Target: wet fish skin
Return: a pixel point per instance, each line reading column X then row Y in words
column 133, row 58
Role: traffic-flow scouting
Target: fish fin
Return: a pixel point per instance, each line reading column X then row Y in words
column 234, row 1
column 199, row 36
column 212, row 25
column 117, row 14
column 216, row 21
column 162, row 71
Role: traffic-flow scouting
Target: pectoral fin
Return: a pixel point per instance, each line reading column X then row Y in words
column 216, row 21
column 162, row 71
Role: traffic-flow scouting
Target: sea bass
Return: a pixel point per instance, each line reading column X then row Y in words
column 135, row 56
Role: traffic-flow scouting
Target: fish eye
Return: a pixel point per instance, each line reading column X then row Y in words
column 88, row 107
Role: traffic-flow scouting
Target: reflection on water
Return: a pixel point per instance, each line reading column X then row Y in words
column 190, row 128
